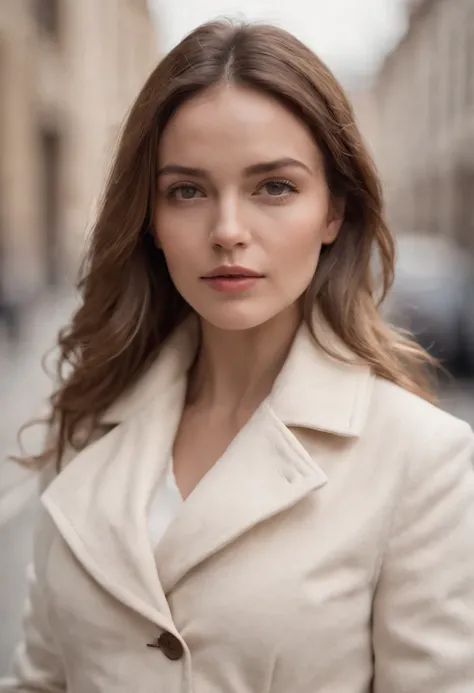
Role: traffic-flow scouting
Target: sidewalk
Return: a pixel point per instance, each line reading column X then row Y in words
column 16, row 546
column 24, row 388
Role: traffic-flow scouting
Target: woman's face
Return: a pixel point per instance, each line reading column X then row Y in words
column 243, row 206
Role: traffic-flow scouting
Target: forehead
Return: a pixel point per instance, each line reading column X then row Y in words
column 235, row 124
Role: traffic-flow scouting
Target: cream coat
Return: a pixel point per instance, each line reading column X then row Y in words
column 329, row 550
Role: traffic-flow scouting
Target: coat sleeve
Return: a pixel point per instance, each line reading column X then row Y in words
column 423, row 618
column 37, row 666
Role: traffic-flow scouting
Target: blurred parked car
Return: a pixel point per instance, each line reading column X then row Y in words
column 433, row 297
column 467, row 325
column 9, row 317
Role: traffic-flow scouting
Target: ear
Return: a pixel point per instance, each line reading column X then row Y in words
column 337, row 209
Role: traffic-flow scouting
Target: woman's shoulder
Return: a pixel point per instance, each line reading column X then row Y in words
column 410, row 421
column 422, row 456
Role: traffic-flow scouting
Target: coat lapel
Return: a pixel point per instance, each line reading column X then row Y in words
column 320, row 392
column 99, row 502
column 266, row 469
column 263, row 472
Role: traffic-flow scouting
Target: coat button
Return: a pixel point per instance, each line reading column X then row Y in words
column 170, row 646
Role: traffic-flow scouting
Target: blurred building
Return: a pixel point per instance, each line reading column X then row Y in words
column 69, row 70
column 364, row 102
column 421, row 122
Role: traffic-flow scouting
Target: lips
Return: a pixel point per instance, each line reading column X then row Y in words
column 232, row 272
column 232, row 279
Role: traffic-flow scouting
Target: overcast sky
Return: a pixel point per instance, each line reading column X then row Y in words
column 351, row 35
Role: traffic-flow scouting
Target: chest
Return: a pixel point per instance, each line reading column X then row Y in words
column 281, row 608
column 201, row 440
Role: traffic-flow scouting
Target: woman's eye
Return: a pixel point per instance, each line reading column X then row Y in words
column 277, row 188
column 184, row 192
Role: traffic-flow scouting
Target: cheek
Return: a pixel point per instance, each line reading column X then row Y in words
column 178, row 239
column 298, row 243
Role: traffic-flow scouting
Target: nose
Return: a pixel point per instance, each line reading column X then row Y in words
column 229, row 230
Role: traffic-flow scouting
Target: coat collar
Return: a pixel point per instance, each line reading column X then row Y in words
column 321, row 392
column 314, row 390
column 99, row 502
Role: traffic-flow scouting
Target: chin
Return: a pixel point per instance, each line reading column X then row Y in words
column 237, row 318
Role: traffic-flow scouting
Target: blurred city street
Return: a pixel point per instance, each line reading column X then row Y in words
column 24, row 387
column 15, row 552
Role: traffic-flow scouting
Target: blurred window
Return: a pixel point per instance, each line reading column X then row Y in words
column 3, row 97
column 468, row 74
column 47, row 16
column 470, row 58
column 50, row 143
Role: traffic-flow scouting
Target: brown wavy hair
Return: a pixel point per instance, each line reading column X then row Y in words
column 129, row 304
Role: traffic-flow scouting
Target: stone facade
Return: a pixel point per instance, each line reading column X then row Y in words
column 422, row 125
column 69, row 70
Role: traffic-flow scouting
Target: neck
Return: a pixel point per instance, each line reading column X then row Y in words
column 235, row 370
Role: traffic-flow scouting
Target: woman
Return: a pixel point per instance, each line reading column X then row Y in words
column 261, row 498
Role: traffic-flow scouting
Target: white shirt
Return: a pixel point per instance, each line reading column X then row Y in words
column 165, row 505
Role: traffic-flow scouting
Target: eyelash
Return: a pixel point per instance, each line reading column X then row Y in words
column 278, row 199
column 170, row 193
column 280, row 181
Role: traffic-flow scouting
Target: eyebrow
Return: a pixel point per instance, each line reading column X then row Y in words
column 262, row 167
